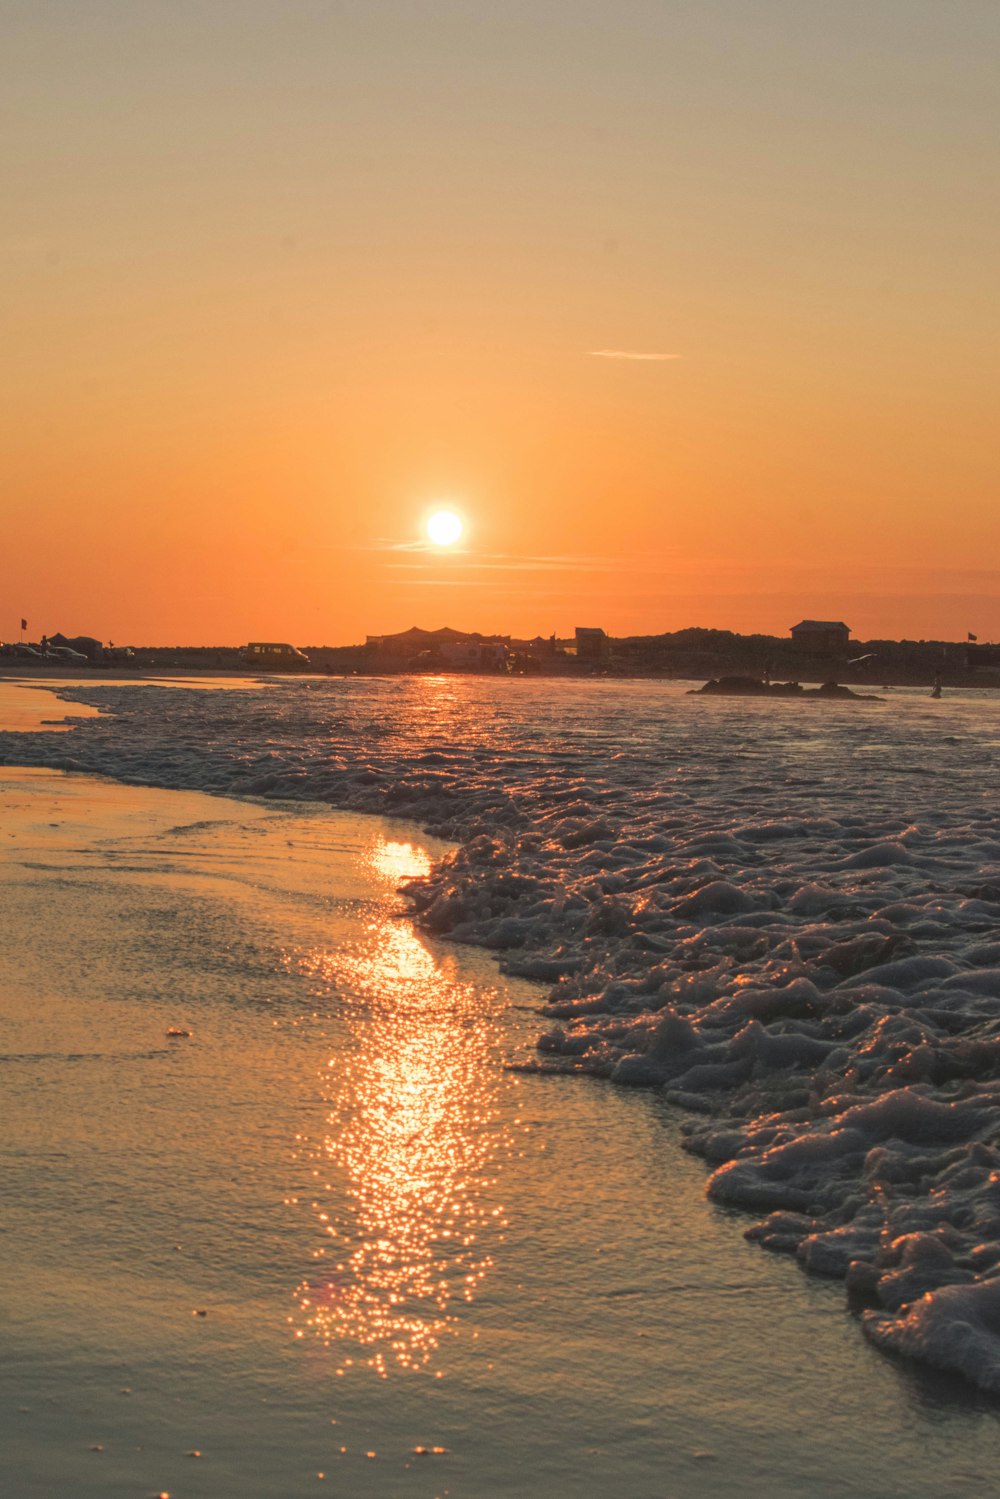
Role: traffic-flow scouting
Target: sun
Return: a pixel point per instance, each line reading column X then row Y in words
column 444, row 528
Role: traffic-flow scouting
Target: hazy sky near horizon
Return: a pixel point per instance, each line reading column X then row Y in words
column 278, row 278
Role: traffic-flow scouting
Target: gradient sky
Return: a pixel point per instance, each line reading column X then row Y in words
column 280, row 275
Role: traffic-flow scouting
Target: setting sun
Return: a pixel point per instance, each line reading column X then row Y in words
column 444, row 528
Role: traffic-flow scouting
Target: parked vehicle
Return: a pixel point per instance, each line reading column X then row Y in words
column 18, row 648
column 272, row 656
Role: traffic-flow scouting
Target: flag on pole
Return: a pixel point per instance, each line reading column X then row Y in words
column 24, row 624
column 973, row 637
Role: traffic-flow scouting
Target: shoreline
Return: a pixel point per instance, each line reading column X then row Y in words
column 811, row 675
column 740, row 1035
column 164, row 1176
column 160, row 1177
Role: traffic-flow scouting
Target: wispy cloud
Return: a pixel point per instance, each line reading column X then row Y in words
column 416, row 554
column 420, row 547
column 500, row 562
column 629, row 354
column 409, row 557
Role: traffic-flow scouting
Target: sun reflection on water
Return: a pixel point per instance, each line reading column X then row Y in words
column 399, row 861
column 404, row 1179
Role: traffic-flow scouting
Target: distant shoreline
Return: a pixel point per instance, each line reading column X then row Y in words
column 693, row 655
column 50, row 671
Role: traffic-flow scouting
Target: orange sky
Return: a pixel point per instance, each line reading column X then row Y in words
column 280, row 277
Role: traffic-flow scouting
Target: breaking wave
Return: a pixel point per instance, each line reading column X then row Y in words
column 785, row 916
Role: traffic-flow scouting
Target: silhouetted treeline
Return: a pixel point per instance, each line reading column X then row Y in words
column 709, row 653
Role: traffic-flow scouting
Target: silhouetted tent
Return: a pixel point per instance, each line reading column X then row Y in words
column 85, row 644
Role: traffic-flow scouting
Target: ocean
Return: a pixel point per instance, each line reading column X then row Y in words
column 339, row 1198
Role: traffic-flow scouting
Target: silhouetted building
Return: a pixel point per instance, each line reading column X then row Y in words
column 591, row 644
column 490, row 655
column 543, row 646
column 86, row 645
column 821, row 634
column 458, row 648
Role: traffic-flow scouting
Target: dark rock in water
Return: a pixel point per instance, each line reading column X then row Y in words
column 756, row 687
column 834, row 689
column 748, row 687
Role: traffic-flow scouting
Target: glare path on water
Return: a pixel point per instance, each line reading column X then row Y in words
column 402, row 1195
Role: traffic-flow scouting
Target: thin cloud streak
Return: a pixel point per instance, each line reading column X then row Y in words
column 419, row 547
column 659, row 565
column 629, row 354
column 518, row 565
column 416, row 555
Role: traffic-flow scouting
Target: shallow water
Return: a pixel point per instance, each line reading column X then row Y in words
column 397, row 1243
column 28, row 711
